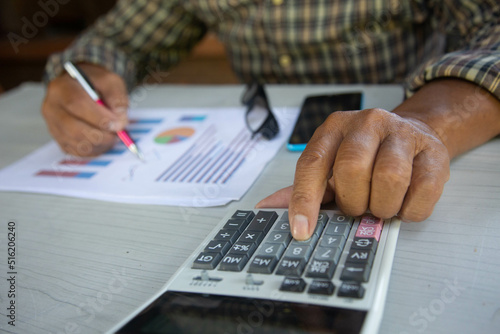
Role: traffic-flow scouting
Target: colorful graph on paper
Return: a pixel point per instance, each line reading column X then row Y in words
column 193, row 157
column 175, row 135
column 73, row 167
column 209, row 159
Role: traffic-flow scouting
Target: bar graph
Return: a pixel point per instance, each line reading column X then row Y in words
column 79, row 162
column 209, row 160
column 81, row 175
column 74, row 167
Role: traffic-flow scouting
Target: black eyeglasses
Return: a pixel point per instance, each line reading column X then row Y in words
column 259, row 117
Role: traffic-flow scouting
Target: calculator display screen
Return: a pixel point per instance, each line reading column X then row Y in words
column 182, row 313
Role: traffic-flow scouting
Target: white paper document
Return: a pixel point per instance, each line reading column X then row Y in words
column 193, row 157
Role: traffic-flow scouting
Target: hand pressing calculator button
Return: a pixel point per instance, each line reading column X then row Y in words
column 250, row 264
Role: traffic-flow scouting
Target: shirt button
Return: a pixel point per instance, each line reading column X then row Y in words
column 277, row 2
column 285, row 60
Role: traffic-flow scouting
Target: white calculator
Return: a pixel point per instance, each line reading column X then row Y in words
column 250, row 276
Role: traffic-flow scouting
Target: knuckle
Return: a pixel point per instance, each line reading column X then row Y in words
column 313, row 155
column 375, row 114
column 333, row 118
column 301, row 197
column 379, row 121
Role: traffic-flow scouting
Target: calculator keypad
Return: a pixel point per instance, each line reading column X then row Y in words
column 263, row 244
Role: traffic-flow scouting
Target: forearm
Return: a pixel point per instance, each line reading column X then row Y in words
column 461, row 113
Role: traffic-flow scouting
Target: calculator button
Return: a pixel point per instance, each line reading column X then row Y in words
column 333, row 241
column 321, row 269
column 233, row 262
column 206, row 260
column 292, row 284
column 283, row 226
column 299, row 252
column 328, row 254
column 279, row 237
column 322, row 218
column 337, row 218
column 275, row 250
column 365, row 244
column 236, row 224
column 263, row 264
column 351, row 289
column 218, row 246
column 263, row 221
column 360, row 256
column 247, row 215
column 291, row 266
column 321, row 287
column 251, row 236
column 338, row 229
column 309, row 242
column 320, row 224
column 243, row 248
column 227, row 235
column 369, row 227
column 358, row 272
column 284, row 216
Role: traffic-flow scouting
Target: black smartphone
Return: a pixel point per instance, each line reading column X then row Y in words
column 315, row 109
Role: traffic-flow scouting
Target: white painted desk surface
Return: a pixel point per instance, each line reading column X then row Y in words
column 83, row 265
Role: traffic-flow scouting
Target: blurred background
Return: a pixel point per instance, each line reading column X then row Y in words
column 30, row 30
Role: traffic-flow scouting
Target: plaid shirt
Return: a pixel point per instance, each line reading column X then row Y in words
column 299, row 41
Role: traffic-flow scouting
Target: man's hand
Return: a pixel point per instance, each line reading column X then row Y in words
column 390, row 163
column 80, row 125
column 368, row 159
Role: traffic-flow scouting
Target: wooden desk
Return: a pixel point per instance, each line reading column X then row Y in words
column 83, row 265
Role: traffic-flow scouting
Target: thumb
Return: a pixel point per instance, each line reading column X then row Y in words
column 279, row 199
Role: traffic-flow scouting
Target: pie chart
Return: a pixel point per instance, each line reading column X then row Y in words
column 174, row 135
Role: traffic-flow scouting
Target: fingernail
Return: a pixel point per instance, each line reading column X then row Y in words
column 117, row 125
column 113, row 126
column 404, row 220
column 120, row 110
column 300, row 229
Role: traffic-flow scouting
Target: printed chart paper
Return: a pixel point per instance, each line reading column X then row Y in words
column 193, row 157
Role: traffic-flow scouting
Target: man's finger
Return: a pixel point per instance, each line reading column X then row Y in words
column 352, row 173
column 281, row 198
column 115, row 96
column 78, row 138
column 430, row 173
column 391, row 176
column 311, row 177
